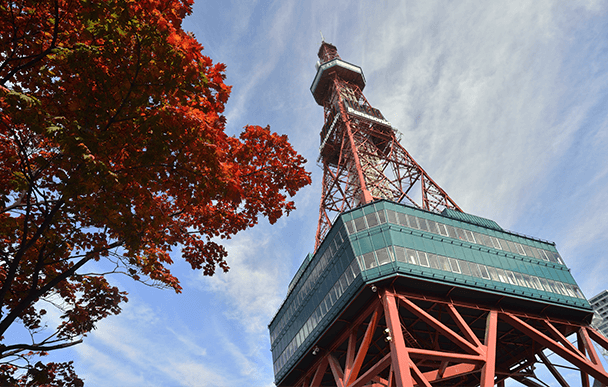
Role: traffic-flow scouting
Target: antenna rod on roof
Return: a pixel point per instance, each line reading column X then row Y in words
column 322, row 38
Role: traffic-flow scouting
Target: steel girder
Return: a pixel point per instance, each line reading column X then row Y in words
column 406, row 340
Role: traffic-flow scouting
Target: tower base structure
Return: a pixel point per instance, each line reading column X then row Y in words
column 405, row 339
column 398, row 296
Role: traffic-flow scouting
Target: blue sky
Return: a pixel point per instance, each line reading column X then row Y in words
column 503, row 103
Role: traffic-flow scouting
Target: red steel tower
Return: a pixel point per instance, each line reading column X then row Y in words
column 404, row 289
column 362, row 158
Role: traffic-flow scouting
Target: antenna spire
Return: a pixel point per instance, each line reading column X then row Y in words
column 322, row 38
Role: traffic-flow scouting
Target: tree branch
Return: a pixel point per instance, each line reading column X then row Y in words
column 35, row 295
column 12, row 350
column 40, row 56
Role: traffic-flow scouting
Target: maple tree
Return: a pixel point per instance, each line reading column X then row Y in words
column 113, row 147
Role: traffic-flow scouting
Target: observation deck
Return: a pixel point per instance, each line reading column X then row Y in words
column 449, row 255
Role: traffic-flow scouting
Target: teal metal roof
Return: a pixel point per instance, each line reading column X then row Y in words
column 464, row 217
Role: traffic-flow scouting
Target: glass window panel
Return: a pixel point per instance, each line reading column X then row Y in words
column 411, row 256
column 350, row 227
column 475, row 269
column 520, row 248
column 356, row 268
column 536, row 283
column 383, row 256
column 400, row 254
column 570, row 290
column 561, row 288
column 460, row 233
column 496, row 242
column 470, row 236
column 483, row 239
column 422, row 258
column 443, row 263
column 578, row 292
column 369, row 260
column 451, row 232
column 422, row 224
column 464, row 267
column 528, row 279
column 493, row 273
column 343, row 234
column 331, row 298
column 392, row 216
column 333, row 247
column 559, row 258
column 349, row 275
column 432, row 226
column 551, row 256
column 545, row 285
column 433, row 261
column 528, row 251
column 412, row 220
column 511, row 277
column 343, row 283
column 338, row 290
column 381, row 216
column 552, row 286
column 323, row 308
column 360, row 224
column 442, row 229
column 372, row 220
column 535, row 252
column 484, row 272
column 402, row 219
column 502, row 276
column 511, row 247
column 520, row 280
column 454, row 265
column 543, row 254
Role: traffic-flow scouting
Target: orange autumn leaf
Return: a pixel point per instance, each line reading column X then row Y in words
column 113, row 147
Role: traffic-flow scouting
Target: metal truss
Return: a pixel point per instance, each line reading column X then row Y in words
column 406, row 340
column 363, row 161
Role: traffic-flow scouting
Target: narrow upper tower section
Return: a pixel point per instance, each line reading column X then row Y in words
column 361, row 156
column 330, row 66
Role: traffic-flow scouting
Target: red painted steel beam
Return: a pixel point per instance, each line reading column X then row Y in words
column 452, row 371
column 399, row 353
column 367, row 339
column 583, row 336
column 561, row 338
column 560, row 379
column 419, row 376
column 372, row 372
column 463, row 326
column 489, row 368
column 598, row 337
column 440, row 327
column 583, row 364
column 336, row 370
column 429, row 354
column 319, row 372
column 350, row 353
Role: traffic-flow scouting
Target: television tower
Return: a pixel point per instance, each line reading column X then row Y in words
column 404, row 289
column 362, row 158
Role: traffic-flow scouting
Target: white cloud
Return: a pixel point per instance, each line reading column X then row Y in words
column 254, row 286
column 139, row 347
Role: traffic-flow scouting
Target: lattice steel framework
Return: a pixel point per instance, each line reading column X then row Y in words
column 361, row 156
column 411, row 340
